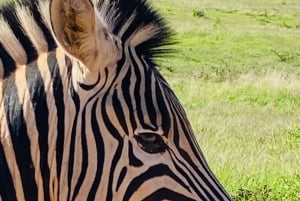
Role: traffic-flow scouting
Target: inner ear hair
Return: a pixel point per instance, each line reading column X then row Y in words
column 79, row 24
column 72, row 22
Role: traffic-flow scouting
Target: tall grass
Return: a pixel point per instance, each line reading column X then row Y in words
column 237, row 74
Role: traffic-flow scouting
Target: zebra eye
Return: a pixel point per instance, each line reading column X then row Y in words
column 151, row 142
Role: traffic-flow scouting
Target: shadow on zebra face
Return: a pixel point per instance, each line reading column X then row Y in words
column 84, row 112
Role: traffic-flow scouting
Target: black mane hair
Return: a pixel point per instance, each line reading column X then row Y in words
column 156, row 46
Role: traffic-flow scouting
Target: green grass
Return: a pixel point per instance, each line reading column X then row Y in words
column 237, row 73
column 239, row 35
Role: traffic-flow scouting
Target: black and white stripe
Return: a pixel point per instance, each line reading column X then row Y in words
column 71, row 133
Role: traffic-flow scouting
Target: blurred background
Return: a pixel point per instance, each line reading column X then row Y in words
column 237, row 73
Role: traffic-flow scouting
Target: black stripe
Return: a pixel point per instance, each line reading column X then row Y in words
column 84, row 155
column 208, row 184
column 133, row 160
column 116, row 100
column 153, row 172
column 117, row 155
column 84, row 142
column 121, row 62
column 7, row 189
column 137, row 85
column 134, row 7
column 121, row 177
column 47, row 33
column 32, row 4
column 20, row 140
column 127, row 97
column 88, row 87
column 167, row 194
column 148, row 75
column 124, row 14
column 162, row 105
column 100, row 152
column 60, row 109
column 9, row 15
column 85, row 159
column 99, row 142
column 114, row 132
column 119, row 111
column 188, row 159
column 76, row 101
column 39, row 101
column 142, row 15
column 137, row 88
column 185, row 175
column 179, row 112
column 9, row 64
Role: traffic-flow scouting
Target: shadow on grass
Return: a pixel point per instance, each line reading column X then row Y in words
column 259, row 194
column 285, row 189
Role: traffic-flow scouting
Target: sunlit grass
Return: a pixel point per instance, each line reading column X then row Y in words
column 249, row 128
column 240, row 35
column 237, row 73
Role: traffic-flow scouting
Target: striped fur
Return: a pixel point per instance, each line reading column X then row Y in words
column 73, row 128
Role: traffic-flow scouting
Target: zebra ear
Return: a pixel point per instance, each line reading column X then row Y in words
column 73, row 24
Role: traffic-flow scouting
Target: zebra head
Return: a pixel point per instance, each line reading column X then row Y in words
column 147, row 147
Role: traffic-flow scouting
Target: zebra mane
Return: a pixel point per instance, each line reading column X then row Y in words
column 25, row 32
column 142, row 21
column 25, row 29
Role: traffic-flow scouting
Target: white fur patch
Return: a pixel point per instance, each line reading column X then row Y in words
column 32, row 30
column 11, row 43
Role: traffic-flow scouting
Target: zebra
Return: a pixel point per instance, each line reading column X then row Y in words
column 85, row 113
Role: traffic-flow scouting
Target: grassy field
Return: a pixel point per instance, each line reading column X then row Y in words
column 237, row 73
